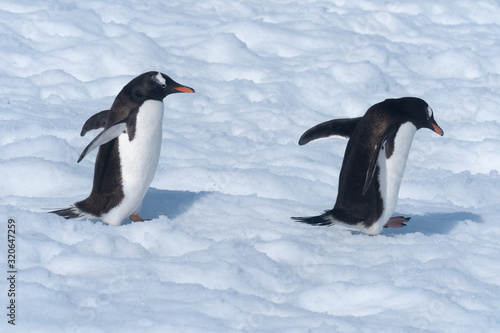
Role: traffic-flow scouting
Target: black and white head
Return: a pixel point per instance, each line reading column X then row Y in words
column 154, row 85
column 417, row 111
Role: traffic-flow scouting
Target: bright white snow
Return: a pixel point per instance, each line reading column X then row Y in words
column 221, row 253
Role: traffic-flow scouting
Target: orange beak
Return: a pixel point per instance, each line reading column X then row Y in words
column 184, row 89
column 437, row 129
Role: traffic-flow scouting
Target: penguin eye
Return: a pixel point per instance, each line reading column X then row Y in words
column 163, row 86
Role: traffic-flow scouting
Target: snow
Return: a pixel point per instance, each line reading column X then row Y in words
column 221, row 253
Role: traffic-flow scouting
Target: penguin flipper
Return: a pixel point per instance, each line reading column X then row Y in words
column 105, row 136
column 96, row 121
column 373, row 159
column 341, row 127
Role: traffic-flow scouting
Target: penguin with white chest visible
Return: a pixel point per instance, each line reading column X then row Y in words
column 129, row 150
column 374, row 162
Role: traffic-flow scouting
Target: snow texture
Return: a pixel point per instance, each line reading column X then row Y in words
column 221, row 253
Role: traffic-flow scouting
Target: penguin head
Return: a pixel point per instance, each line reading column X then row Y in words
column 155, row 85
column 431, row 123
column 419, row 113
column 163, row 85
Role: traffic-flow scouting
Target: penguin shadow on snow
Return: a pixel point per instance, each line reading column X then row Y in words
column 169, row 203
column 434, row 223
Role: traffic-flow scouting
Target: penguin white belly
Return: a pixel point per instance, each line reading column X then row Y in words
column 391, row 173
column 139, row 160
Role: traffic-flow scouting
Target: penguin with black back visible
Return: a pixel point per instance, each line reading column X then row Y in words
column 129, row 150
column 374, row 162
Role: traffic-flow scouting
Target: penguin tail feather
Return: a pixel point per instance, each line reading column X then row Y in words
column 320, row 220
column 68, row 213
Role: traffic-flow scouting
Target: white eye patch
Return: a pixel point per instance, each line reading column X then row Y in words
column 159, row 78
column 429, row 112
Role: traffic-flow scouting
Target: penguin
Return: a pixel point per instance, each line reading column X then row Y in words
column 374, row 163
column 129, row 150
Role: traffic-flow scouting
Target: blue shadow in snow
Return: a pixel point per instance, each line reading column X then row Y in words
column 433, row 223
column 169, row 203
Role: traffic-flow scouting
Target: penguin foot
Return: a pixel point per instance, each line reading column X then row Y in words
column 397, row 222
column 137, row 218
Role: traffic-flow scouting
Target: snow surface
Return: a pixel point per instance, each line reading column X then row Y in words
column 221, row 253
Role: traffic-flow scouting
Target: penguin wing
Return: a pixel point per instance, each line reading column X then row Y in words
column 341, row 127
column 96, row 121
column 379, row 143
column 105, row 136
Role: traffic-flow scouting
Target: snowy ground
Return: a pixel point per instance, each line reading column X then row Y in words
column 221, row 253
